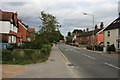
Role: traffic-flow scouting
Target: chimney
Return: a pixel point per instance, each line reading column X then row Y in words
column 84, row 30
column 101, row 25
column 96, row 27
column 20, row 20
column 87, row 29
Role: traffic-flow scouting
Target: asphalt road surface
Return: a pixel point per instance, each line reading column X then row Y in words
column 90, row 64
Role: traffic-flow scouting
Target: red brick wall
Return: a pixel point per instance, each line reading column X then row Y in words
column 23, row 32
column 4, row 36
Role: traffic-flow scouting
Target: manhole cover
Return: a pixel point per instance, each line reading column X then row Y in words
column 70, row 64
column 52, row 60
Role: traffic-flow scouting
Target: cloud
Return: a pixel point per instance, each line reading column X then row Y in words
column 69, row 14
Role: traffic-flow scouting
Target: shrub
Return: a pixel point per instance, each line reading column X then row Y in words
column 31, row 45
column 98, row 48
column 7, row 55
column 89, row 47
column 46, row 49
column 28, row 53
column 111, row 48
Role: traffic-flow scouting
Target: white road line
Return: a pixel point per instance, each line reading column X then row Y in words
column 89, row 56
column 76, row 51
column 112, row 65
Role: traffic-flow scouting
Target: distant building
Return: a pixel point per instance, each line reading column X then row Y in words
column 22, row 32
column 31, row 34
column 112, row 34
column 91, row 37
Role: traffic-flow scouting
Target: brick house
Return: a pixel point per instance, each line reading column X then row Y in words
column 88, row 37
column 8, row 28
column 12, row 30
column 22, row 32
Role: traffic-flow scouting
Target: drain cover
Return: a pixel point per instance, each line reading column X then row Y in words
column 70, row 64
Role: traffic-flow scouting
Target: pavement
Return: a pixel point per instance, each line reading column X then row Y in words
column 91, row 64
column 55, row 67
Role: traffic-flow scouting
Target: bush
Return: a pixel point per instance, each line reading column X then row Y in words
column 31, row 45
column 7, row 55
column 46, row 49
column 89, row 47
column 111, row 48
column 98, row 48
column 26, row 56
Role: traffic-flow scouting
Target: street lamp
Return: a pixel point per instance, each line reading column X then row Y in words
column 93, row 28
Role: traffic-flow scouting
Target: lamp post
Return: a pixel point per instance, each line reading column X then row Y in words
column 93, row 29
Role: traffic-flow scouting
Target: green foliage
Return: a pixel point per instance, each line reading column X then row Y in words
column 99, row 48
column 111, row 48
column 32, row 45
column 76, row 31
column 46, row 49
column 89, row 47
column 69, row 33
column 7, row 55
column 49, row 31
column 83, row 42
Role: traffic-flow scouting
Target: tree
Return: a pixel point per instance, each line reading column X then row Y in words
column 76, row 31
column 49, row 31
column 61, row 37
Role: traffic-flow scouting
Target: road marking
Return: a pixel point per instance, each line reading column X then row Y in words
column 66, row 49
column 76, row 51
column 89, row 56
column 112, row 65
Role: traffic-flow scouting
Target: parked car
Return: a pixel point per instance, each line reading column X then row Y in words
column 5, row 46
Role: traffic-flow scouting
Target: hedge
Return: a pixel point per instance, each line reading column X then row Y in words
column 26, row 56
column 7, row 55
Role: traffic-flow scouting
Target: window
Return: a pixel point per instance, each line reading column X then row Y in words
column 108, row 43
column 108, row 33
column 118, row 44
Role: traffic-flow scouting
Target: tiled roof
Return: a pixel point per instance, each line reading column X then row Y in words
column 31, row 29
column 114, row 25
column 6, row 16
column 89, row 33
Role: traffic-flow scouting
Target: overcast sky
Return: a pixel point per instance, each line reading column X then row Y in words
column 69, row 13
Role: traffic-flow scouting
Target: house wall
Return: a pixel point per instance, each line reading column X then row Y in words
column 5, row 28
column 23, row 30
column 100, row 38
column 113, row 37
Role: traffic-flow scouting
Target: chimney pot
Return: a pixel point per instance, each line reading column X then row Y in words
column 96, row 27
column 101, row 25
column 87, row 29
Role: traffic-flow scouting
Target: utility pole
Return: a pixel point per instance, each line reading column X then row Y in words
column 119, row 8
column 93, row 36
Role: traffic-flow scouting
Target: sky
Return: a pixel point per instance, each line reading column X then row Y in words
column 69, row 13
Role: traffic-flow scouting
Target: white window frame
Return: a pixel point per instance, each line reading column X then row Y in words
column 118, row 44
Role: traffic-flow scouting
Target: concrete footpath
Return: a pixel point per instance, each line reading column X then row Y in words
column 55, row 67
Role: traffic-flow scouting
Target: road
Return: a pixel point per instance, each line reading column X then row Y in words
column 90, row 64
